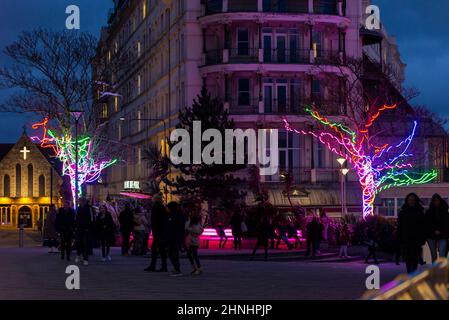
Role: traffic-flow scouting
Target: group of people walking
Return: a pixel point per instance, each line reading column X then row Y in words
column 80, row 229
column 173, row 232
column 417, row 226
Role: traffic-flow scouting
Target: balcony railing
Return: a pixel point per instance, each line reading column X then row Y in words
column 275, row 6
column 243, row 55
column 236, row 107
column 286, row 56
column 242, row 5
column 283, row 107
column 293, row 6
column 275, row 56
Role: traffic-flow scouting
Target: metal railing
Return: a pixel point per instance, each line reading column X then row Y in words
column 274, row 56
column 281, row 107
column 275, row 6
column 287, row 6
column 243, row 55
column 431, row 284
column 242, row 5
column 237, row 107
column 286, row 56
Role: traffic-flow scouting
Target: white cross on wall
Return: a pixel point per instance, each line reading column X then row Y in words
column 25, row 151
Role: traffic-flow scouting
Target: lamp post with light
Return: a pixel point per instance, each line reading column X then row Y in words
column 344, row 172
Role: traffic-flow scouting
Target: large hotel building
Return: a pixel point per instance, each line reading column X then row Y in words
column 264, row 59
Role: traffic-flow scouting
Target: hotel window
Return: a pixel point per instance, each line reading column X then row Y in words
column 144, row 9
column 289, row 151
column 242, row 42
column 388, row 207
column 41, row 185
column 244, row 95
column 18, row 180
column 316, row 91
column 139, row 49
column 6, row 186
column 320, row 159
column 30, row 180
column 116, row 104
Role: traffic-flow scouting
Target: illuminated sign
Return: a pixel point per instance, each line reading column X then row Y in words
column 131, row 185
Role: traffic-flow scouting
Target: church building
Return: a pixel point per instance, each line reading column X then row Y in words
column 29, row 183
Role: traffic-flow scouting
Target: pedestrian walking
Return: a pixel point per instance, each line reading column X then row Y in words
column 282, row 234
column 411, row 231
column 105, row 228
column 126, row 220
column 194, row 229
column 344, row 239
column 372, row 243
column 85, row 225
column 174, row 234
column 147, row 231
column 50, row 234
column 314, row 236
column 65, row 226
column 158, row 247
column 264, row 228
column 140, row 222
column 222, row 234
column 437, row 227
column 236, row 225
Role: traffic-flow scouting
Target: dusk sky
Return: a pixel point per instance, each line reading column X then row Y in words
column 421, row 28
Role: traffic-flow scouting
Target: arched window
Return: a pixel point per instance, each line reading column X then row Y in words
column 41, row 185
column 30, row 180
column 6, row 186
column 18, row 180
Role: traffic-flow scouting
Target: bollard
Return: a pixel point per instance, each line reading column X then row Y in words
column 21, row 231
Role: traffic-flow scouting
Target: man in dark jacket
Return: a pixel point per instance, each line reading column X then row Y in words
column 126, row 219
column 437, row 227
column 158, row 222
column 314, row 236
column 411, row 231
column 65, row 226
column 174, row 234
column 85, row 225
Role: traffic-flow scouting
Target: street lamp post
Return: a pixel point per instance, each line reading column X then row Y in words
column 342, row 161
column 77, row 115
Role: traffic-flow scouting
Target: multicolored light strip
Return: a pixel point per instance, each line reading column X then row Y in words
column 64, row 147
column 378, row 167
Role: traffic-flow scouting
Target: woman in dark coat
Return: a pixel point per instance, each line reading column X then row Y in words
column 437, row 227
column 105, row 232
column 411, row 231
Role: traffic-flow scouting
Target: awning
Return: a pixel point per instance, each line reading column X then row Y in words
column 312, row 197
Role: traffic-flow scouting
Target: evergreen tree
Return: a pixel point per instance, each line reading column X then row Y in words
column 207, row 182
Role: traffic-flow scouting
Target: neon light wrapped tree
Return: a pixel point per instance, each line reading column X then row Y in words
column 378, row 167
column 91, row 159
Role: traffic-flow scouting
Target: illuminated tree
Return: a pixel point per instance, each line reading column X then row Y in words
column 52, row 74
column 92, row 159
column 378, row 166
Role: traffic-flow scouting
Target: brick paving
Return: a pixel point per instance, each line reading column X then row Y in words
column 32, row 273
